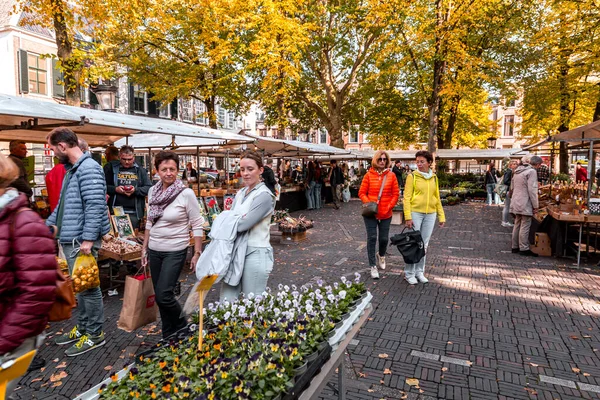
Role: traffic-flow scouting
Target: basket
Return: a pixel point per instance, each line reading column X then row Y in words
column 594, row 206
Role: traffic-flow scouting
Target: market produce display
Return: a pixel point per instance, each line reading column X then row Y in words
column 253, row 347
column 292, row 225
column 120, row 246
column 279, row 215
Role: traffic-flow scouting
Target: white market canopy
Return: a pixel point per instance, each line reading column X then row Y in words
column 577, row 136
column 294, row 148
column 447, row 154
column 30, row 120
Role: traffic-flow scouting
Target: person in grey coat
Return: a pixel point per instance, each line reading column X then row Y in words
column 524, row 203
column 80, row 220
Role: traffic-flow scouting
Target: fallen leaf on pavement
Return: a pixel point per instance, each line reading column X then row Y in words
column 36, row 380
column 62, row 365
column 412, row 382
column 58, row 376
column 533, row 365
column 576, row 370
column 108, row 368
column 445, row 369
column 57, row 383
column 383, row 355
column 361, row 375
column 586, row 374
column 387, row 371
column 574, row 337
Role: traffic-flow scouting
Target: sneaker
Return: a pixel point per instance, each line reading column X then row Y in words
column 516, row 250
column 421, row 278
column 412, row 280
column 380, row 261
column 507, row 224
column 37, row 363
column 70, row 337
column 528, row 253
column 85, row 344
column 374, row 273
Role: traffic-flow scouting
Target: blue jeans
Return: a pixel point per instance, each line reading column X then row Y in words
column 423, row 223
column 372, row 225
column 258, row 265
column 317, row 196
column 491, row 194
column 90, row 308
column 166, row 267
column 310, row 192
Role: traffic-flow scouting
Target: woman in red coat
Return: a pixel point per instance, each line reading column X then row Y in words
column 379, row 174
column 27, row 271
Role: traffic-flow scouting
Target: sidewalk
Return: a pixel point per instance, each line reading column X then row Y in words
column 489, row 325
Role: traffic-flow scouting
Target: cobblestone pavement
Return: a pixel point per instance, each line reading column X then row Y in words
column 489, row 325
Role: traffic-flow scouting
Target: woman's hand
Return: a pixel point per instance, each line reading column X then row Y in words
column 195, row 260
column 144, row 257
column 409, row 223
column 442, row 224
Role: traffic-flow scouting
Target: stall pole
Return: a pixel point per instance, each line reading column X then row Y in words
column 198, row 168
column 590, row 166
column 150, row 163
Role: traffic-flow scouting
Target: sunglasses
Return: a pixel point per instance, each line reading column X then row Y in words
column 382, row 159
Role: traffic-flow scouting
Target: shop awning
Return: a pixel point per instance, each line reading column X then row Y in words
column 30, row 120
column 448, row 154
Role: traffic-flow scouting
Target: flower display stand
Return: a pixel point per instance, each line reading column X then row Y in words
column 295, row 237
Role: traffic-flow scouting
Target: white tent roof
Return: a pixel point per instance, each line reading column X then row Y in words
column 294, row 148
column 30, row 120
column 448, row 154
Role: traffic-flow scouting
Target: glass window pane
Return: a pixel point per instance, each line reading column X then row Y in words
column 32, row 75
column 42, row 88
column 33, row 86
column 42, row 77
column 32, row 60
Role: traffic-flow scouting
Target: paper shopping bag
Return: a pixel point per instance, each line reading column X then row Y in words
column 139, row 305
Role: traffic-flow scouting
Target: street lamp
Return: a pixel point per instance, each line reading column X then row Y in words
column 491, row 143
column 106, row 95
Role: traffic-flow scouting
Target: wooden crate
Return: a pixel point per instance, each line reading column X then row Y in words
column 294, row 237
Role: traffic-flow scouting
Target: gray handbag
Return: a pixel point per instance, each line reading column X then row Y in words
column 370, row 209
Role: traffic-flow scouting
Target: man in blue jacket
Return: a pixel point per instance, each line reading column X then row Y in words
column 80, row 220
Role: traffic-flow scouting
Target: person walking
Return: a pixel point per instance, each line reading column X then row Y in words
column 506, row 180
column 397, row 170
column 172, row 209
column 268, row 176
column 421, row 206
column 189, row 173
column 81, row 219
column 491, row 179
column 581, row 173
column 336, row 180
column 18, row 152
column 377, row 177
column 127, row 185
column 317, row 201
column 27, row 273
column 310, row 184
column 524, row 203
column 255, row 203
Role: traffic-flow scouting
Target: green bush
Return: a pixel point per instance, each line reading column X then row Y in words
column 561, row 177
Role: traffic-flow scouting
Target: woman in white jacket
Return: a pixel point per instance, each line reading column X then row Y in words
column 255, row 203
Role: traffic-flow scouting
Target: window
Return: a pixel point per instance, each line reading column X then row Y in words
column 139, row 99
column 221, row 116
column 164, row 111
column 230, row 120
column 509, row 125
column 187, row 112
column 37, row 74
column 200, row 110
column 511, row 103
column 83, row 94
column 353, row 134
column 323, row 135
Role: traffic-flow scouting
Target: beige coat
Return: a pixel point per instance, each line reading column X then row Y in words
column 524, row 190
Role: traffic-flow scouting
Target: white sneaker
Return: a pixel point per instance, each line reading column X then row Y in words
column 507, row 224
column 412, row 280
column 380, row 261
column 374, row 273
column 422, row 278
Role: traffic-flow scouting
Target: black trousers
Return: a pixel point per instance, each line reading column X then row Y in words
column 166, row 267
column 373, row 225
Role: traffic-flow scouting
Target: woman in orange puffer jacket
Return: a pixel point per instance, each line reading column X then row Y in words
column 377, row 175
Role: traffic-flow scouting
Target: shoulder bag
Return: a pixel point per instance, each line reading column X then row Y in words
column 370, row 209
column 410, row 245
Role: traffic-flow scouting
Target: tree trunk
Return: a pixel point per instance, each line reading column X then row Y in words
column 597, row 109
column 335, row 129
column 440, row 134
column 210, row 102
column 454, row 103
column 70, row 68
column 565, row 110
column 438, row 73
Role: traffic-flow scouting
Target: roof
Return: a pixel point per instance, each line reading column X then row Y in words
column 449, row 154
column 31, row 120
column 294, row 148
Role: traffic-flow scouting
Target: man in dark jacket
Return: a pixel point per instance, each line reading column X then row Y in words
column 268, row 176
column 336, row 180
column 127, row 185
column 81, row 219
column 18, row 151
column 397, row 170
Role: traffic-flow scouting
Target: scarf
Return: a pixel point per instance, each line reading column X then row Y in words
column 162, row 198
column 8, row 196
column 426, row 175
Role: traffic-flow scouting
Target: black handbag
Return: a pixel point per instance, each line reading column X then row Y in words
column 370, row 209
column 410, row 245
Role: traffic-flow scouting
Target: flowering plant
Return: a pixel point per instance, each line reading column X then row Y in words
column 250, row 350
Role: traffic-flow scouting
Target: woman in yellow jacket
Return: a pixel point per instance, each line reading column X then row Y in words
column 421, row 206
